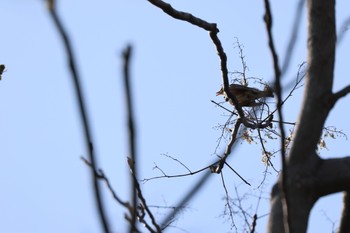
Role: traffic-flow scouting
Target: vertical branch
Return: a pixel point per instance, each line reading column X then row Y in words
column 278, row 90
column 345, row 216
column 255, row 217
column 83, row 114
column 131, row 128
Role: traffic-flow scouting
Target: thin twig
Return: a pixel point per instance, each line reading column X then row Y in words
column 228, row 204
column 82, row 112
column 224, row 128
column 100, row 174
column 197, row 171
column 179, row 175
column 296, row 85
column 178, row 161
column 285, row 122
column 240, row 206
column 244, row 180
column 244, row 81
column 265, row 151
column 233, row 113
column 219, row 167
column 142, row 199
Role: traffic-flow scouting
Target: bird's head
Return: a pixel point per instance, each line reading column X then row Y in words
column 220, row 92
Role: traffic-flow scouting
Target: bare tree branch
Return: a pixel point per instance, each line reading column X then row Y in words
column 178, row 161
column 131, row 131
column 143, row 205
column 178, row 175
column 219, row 167
column 234, row 171
column 342, row 93
column 345, row 216
column 167, row 8
column 240, row 206
column 224, row 71
column 255, row 217
column 226, row 109
column 228, row 204
column 100, row 174
column 212, row 167
column 82, row 112
column 268, row 163
column 327, row 181
column 278, row 90
column 319, row 80
column 213, row 30
column 296, row 85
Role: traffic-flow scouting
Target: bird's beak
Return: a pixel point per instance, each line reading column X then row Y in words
column 220, row 92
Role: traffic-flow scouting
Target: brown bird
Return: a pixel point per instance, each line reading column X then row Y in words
column 246, row 96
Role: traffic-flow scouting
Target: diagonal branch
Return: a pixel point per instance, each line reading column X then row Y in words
column 342, row 93
column 217, row 168
column 167, row 8
column 83, row 114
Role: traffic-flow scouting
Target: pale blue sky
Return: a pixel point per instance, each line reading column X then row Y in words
column 175, row 73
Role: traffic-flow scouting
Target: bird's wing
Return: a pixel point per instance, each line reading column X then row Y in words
column 243, row 88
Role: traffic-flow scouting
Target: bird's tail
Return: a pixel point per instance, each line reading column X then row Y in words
column 267, row 92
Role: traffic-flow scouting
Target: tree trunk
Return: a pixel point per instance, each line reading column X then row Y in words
column 303, row 163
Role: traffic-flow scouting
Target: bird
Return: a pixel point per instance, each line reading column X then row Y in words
column 246, row 96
